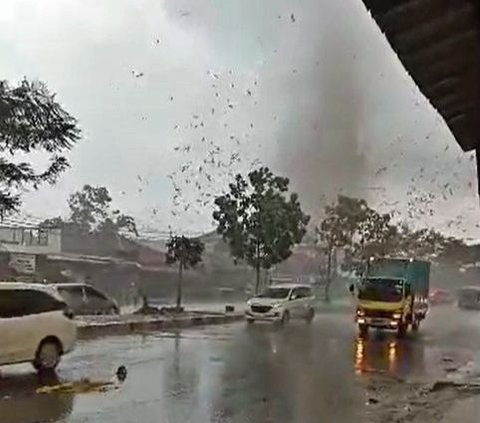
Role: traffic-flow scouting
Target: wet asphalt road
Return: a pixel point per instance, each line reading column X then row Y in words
column 237, row 374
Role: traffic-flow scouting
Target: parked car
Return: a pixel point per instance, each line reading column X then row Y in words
column 440, row 296
column 84, row 299
column 36, row 325
column 280, row 303
column 469, row 298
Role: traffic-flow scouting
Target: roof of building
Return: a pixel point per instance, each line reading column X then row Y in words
column 438, row 42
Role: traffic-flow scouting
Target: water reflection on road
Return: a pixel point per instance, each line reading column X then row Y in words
column 19, row 402
column 386, row 354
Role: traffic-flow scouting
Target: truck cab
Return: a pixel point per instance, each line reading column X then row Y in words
column 392, row 295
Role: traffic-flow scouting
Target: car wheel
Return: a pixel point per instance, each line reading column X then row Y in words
column 310, row 315
column 285, row 317
column 250, row 321
column 48, row 355
column 113, row 311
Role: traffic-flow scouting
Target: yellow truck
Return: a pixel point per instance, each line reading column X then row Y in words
column 393, row 295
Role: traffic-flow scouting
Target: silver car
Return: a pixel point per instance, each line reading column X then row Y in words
column 278, row 303
column 84, row 299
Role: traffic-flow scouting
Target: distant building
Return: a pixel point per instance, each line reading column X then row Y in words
column 22, row 247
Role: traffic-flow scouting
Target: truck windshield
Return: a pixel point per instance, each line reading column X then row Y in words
column 380, row 289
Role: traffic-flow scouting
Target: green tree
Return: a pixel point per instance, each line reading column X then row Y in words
column 31, row 121
column 376, row 235
column 187, row 252
column 91, row 211
column 355, row 228
column 260, row 220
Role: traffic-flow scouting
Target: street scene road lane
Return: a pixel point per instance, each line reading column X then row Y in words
column 238, row 373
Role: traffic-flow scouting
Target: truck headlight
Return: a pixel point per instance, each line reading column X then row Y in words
column 397, row 315
column 360, row 312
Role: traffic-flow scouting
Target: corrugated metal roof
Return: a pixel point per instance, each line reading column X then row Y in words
column 438, row 42
column 21, row 221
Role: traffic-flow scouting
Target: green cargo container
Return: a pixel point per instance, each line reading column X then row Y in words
column 416, row 273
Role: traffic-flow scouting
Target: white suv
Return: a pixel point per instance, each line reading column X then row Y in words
column 279, row 303
column 35, row 325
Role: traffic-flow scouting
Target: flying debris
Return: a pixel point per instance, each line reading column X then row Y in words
column 292, row 18
column 381, row 170
column 137, row 74
column 213, row 75
column 249, row 92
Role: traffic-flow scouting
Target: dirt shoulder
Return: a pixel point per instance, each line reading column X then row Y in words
column 453, row 398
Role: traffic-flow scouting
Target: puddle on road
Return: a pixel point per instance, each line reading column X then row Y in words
column 84, row 386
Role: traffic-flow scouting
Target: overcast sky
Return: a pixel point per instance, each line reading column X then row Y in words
column 200, row 90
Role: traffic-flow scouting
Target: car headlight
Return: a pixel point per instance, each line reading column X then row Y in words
column 276, row 306
column 397, row 315
column 360, row 312
column 249, row 303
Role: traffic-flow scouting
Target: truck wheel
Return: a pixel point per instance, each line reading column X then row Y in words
column 402, row 330
column 363, row 331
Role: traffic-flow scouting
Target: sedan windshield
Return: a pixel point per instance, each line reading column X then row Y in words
column 380, row 289
column 277, row 293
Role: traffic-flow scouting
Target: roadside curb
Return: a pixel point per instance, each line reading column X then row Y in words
column 152, row 324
